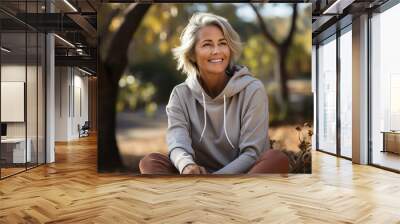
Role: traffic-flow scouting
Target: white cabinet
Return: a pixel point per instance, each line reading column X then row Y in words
column 17, row 147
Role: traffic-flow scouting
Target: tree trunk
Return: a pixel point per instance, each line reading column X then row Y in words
column 284, row 75
column 282, row 49
column 108, row 158
column 277, row 77
column 284, row 82
column 111, row 67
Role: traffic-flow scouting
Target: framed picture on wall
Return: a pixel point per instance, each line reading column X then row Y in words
column 12, row 101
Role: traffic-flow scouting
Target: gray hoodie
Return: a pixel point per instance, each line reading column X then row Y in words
column 225, row 134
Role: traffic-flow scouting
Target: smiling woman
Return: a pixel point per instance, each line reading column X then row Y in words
column 217, row 118
column 212, row 55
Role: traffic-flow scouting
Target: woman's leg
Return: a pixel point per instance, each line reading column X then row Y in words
column 157, row 163
column 271, row 161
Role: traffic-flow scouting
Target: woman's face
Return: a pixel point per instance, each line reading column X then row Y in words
column 211, row 51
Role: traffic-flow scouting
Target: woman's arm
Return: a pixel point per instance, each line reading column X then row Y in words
column 253, row 134
column 179, row 143
column 180, row 158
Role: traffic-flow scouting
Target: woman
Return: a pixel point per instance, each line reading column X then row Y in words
column 217, row 118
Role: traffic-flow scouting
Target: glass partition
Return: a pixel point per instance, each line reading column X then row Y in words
column 41, row 91
column 13, row 110
column 31, row 100
column 22, row 88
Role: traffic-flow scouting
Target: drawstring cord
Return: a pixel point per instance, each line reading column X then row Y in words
column 225, row 124
column 205, row 120
column 205, row 116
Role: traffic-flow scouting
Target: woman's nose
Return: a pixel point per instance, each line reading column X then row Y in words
column 215, row 50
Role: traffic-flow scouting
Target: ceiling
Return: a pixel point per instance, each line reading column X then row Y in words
column 330, row 15
column 76, row 22
column 73, row 20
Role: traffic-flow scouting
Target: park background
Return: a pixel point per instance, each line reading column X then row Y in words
column 276, row 41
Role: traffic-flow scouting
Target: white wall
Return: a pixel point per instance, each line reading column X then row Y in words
column 71, row 102
column 62, row 80
column 33, row 126
column 12, row 73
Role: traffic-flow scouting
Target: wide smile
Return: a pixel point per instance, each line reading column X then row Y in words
column 216, row 61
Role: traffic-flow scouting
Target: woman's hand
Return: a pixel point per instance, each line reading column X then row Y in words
column 203, row 170
column 194, row 169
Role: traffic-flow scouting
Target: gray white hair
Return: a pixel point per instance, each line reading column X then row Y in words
column 184, row 54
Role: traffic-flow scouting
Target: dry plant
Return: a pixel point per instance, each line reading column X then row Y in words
column 299, row 161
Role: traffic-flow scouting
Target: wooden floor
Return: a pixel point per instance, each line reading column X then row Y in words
column 387, row 159
column 10, row 171
column 71, row 191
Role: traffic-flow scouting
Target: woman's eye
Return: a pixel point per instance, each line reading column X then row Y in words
column 223, row 43
column 205, row 45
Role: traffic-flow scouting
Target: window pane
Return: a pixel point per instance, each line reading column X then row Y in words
column 327, row 97
column 385, row 85
column 345, row 94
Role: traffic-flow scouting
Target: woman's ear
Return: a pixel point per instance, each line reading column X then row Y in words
column 193, row 62
column 192, row 59
column 191, row 56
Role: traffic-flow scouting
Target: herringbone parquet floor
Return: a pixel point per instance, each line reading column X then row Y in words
column 71, row 191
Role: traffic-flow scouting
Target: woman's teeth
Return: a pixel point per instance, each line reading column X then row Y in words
column 215, row 60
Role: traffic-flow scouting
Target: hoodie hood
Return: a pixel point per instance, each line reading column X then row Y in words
column 240, row 79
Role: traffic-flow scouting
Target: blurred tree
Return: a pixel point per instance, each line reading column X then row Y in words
column 112, row 64
column 282, row 48
column 151, row 45
column 133, row 93
column 259, row 57
column 299, row 56
column 160, row 30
